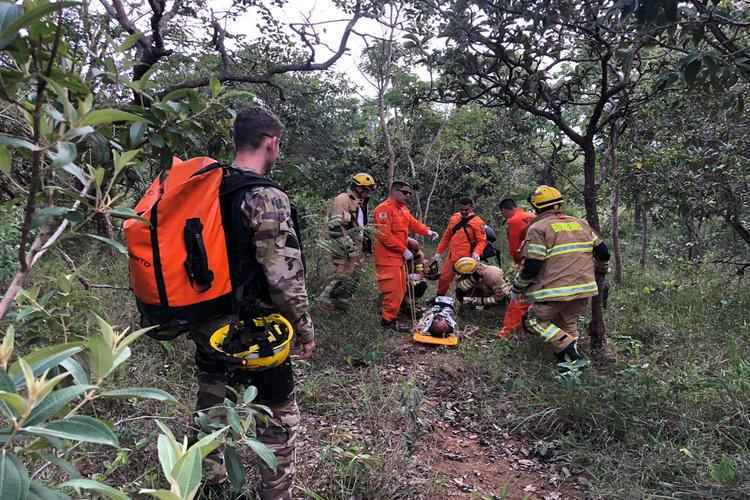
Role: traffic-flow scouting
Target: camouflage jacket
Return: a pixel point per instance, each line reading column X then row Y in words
column 267, row 214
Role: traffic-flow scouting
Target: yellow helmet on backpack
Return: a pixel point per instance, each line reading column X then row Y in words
column 465, row 265
column 270, row 347
column 545, row 197
column 363, row 180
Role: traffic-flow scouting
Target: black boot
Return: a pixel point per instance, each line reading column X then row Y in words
column 568, row 355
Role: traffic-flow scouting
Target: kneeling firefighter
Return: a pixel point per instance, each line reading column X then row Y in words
column 557, row 274
column 237, row 284
column 480, row 284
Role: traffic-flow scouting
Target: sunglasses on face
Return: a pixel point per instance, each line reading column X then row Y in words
column 405, row 192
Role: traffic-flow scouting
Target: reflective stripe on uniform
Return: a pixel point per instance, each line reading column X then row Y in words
column 549, row 333
column 563, row 291
column 584, row 247
column 536, row 249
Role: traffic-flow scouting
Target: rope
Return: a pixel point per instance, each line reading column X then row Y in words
column 412, row 298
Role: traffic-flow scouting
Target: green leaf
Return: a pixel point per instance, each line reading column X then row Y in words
column 14, row 401
column 115, row 244
column 140, row 392
column 66, row 153
column 233, row 419
column 124, row 213
column 121, row 356
column 101, row 357
column 42, row 360
column 10, row 31
column 76, row 172
column 215, row 87
column 75, row 133
column 105, row 116
column 77, row 428
column 9, row 13
column 137, row 133
column 6, row 384
column 209, row 443
column 14, row 480
column 187, row 472
column 161, row 494
column 264, row 453
column 168, row 455
column 251, row 392
column 76, row 370
column 103, row 489
column 108, row 333
column 130, row 42
column 39, row 491
column 16, row 142
column 44, row 215
column 5, row 160
column 67, row 467
column 54, row 402
column 235, row 469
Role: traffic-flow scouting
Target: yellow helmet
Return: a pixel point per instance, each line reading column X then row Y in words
column 465, row 265
column 545, row 197
column 363, row 180
column 275, row 337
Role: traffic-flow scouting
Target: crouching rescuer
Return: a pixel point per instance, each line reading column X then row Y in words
column 557, row 274
column 237, row 285
column 480, row 284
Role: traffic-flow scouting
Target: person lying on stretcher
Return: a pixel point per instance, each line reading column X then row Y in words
column 439, row 320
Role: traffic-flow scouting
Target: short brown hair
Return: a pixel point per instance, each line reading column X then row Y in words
column 253, row 124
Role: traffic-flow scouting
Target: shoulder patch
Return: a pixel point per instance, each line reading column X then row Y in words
column 383, row 215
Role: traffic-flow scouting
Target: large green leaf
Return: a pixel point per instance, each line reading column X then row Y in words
column 168, row 455
column 76, row 371
column 100, row 358
column 17, row 142
column 76, row 428
column 114, row 244
column 264, row 453
column 14, row 401
column 160, row 494
column 187, row 472
column 102, row 489
column 42, row 360
column 14, row 480
column 104, row 116
column 137, row 133
column 140, row 392
column 39, row 491
column 10, row 31
column 6, row 384
column 235, row 469
column 5, row 160
column 54, row 402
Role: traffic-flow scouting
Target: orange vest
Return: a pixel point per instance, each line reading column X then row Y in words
column 458, row 242
column 393, row 223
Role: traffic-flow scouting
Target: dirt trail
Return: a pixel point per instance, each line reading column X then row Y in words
column 472, row 465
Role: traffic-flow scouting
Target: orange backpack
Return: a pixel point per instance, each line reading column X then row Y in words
column 184, row 251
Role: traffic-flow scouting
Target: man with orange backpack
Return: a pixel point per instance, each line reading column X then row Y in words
column 221, row 257
column 465, row 236
column 393, row 223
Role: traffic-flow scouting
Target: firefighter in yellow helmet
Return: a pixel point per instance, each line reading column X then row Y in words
column 347, row 240
column 557, row 274
column 479, row 284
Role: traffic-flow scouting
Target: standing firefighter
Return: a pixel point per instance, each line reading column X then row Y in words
column 465, row 236
column 393, row 223
column 347, row 221
column 275, row 283
column 517, row 224
column 557, row 274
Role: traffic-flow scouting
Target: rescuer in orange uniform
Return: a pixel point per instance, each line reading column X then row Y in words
column 464, row 237
column 393, row 223
column 517, row 222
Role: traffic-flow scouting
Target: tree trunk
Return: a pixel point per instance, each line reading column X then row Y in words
column 637, row 208
column 644, row 236
column 597, row 328
column 387, row 137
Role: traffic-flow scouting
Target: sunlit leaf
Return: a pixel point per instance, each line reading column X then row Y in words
column 102, row 489
column 5, row 160
column 53, row 403
column 264, row 453
column 114, row 244
column 106, row 116
column 140, row 392
column 42, row 359
column 14, row 480
column 77, row 428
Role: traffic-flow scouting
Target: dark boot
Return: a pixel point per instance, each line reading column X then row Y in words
column 396, row 326
column 568, row 355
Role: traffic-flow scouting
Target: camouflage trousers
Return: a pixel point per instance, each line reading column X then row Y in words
column 342, row 286
column 275, row 390
column 555, row 322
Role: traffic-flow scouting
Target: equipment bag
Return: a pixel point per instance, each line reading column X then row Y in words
column 180, row 266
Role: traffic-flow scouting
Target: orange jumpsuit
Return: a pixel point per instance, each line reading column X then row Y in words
column 517, row 225
column 393, row 223
column 459, row 243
